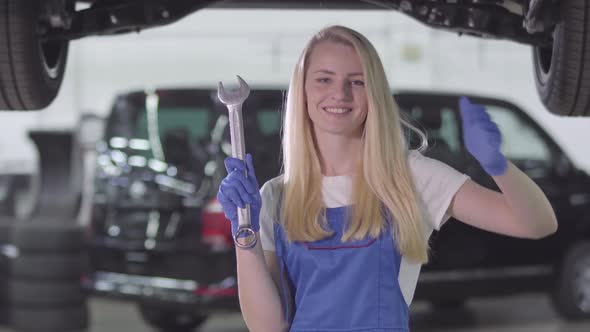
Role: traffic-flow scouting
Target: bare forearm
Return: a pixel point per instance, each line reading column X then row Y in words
column 259, row 298
column 527, row 202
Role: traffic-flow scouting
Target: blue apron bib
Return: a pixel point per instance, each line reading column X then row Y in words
column 343, row 286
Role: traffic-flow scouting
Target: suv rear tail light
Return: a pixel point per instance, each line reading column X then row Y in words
column 215, row 228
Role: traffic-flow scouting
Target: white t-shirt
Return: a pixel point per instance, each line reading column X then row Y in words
column 436, row 184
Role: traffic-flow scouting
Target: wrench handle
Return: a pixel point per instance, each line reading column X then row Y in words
column 238, row 150
column 236, row 131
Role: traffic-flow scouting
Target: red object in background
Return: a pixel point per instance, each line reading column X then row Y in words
column 217, row 292
column 215, row 227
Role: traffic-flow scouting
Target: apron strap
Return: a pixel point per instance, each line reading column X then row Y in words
column 284, row 289
column 278, row 237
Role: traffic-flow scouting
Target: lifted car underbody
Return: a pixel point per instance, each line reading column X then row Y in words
column 35, row 35
column 516, row 20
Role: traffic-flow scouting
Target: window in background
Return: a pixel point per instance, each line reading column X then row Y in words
column 269, row 122
column 519, row 139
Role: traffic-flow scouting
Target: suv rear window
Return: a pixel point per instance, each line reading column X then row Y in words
column 195, row 120
column 193, row 127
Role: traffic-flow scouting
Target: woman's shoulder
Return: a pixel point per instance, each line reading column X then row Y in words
column 272, row 188
column 420, row 164
column 414, row 155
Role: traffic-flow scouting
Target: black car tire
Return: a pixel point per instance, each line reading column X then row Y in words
column 17, row 197
column 569, row 289
column 22, row 203
column 50, row 266
column 31, row 71
column 49, row 235
column 562, row 73
column 54, row 319
column 4, row 315
column 35, row 293
column 6, row 230
column 169, row 320
column 4, row 289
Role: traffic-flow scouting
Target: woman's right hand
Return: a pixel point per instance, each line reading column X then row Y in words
column 237, row 190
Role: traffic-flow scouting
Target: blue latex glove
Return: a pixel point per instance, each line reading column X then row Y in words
column 237, row 190
column 482, row 137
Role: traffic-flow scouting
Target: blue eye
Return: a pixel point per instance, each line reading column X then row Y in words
column 323, row 80
column 357, row 83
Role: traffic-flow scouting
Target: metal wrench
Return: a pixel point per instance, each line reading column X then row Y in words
column 245, row 236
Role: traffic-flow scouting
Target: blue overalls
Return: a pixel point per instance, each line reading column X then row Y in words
column 350, row 286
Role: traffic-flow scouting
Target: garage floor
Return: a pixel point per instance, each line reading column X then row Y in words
column 523, row 313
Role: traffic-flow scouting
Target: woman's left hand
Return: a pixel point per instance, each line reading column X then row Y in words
column 482, row 138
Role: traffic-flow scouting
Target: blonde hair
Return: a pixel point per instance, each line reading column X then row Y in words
column 383, row 187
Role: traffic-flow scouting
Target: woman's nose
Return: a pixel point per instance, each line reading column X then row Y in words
column 342, row 91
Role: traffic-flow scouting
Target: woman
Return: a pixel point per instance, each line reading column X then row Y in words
column 344, row 231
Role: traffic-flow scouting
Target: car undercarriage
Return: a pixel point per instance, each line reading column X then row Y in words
column 514, row 20
column 33, row 54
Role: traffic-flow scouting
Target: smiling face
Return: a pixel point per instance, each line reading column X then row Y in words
column 335, row 90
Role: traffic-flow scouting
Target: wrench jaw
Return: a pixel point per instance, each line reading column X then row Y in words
column 233, row 100
column 244, row 89
column 222, row 94
column 233, row 97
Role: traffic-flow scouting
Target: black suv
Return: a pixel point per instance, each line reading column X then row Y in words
column 469, row 262
column 35, row 36
column 159, row 237
column 157, row 234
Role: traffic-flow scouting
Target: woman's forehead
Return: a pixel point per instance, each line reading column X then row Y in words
column 334, row 57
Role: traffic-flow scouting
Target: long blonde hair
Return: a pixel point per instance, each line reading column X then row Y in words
column 383, row 187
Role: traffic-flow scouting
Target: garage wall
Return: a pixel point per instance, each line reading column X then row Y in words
column 214, row 45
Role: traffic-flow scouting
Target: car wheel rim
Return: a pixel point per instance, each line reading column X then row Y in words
column 544, row 58
column 543, row 63
column 582, row 286
column 52, row 57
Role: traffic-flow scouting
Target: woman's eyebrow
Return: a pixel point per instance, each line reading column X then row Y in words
column 325, row 71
